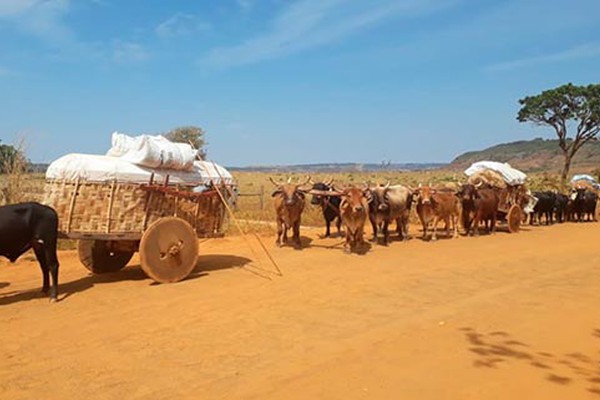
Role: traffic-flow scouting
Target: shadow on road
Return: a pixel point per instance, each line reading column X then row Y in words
column 206, row 264
column 493, row 349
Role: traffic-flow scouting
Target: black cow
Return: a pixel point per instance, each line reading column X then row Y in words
column 584, row 204
column 561, row 204
column 31, row 225
column 329, row 204
column 544, row 207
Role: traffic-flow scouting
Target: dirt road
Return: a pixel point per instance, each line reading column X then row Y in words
column 502, row 317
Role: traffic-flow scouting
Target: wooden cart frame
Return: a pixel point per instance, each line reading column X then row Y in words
column 513, row 199
column 113, row 220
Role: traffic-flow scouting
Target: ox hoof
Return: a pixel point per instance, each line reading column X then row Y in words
column 53, row 300
column 434, row 239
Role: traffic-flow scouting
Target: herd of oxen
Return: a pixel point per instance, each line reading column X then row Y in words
column 34, row 226
column 385, row 204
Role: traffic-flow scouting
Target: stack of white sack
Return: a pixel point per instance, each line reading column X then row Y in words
column 94, row 168
column 153, row 152
column 511, row 176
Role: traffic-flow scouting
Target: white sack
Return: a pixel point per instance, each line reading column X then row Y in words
column 588, row 178
column 152, row 151
column 93, row 168
column 511, row 175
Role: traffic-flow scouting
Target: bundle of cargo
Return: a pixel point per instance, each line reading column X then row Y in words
column 584, row 181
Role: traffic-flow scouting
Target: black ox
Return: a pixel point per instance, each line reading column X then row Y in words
column 545, row 207
column 330, row 205
column 583, row 204
column 31, row 226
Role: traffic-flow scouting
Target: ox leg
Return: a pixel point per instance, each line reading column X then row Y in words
column 434, row 233
column 386, row 232
column 338, row 225
column 328, row 227
column 46, row 256
column 297, row 234
column 454, row 220
column 40, row 254
column 405, row 234
column 374, row 225
column 279, row 233
column 493, row 227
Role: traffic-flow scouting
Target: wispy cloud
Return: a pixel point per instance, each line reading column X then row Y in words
column 40, row 18
column 245, row 5
column 588, row 50
column 311, row 23
column 181, row 25
column 129, row 52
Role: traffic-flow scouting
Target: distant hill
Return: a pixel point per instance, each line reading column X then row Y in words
column 340, row 167
column 533, row 156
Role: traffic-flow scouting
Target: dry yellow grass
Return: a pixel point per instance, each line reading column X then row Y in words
column 30, row 188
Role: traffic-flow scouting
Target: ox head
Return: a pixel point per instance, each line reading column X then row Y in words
column 467, row 192
column 424, row 194
column 290, row 193
column 379, row 198
column 321, row 186
column 577, row 194
column 355, row 199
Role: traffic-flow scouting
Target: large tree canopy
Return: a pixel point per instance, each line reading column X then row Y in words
column 566, row 108
column 189, row 134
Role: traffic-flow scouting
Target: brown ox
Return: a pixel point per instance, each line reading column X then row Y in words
column 288, row 199
column 478, row 204
column 354, row 210
column 434, row 205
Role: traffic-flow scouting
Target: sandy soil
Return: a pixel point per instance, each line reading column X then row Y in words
column 502, row 317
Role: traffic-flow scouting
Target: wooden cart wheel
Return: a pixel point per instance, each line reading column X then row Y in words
column 98, row 258
column 169, row 250
column 513, row 218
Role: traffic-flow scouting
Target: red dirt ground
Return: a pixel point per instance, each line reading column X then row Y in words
column 496, row 317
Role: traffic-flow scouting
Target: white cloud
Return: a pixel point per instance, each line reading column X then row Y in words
column 311, row 23
column 181, row 25
column 39, row 18
column 128, row 52
column 584, row 51
column 245, row 5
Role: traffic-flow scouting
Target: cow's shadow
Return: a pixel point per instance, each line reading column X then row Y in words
column 205, row 265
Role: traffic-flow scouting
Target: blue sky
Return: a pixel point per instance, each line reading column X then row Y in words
column 283, row 81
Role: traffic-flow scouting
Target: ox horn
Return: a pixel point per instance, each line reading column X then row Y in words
column 273, row 182
column 479, row 183
column 387, row 185
column 308, row 180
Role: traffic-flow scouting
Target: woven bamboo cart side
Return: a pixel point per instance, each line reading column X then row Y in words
column 123, row 211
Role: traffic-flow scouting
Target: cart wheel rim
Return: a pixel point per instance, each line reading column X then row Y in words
column 514, row 218
column 97, row 258
column 169, row 250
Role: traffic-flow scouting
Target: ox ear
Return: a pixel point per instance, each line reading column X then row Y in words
column 277, row 192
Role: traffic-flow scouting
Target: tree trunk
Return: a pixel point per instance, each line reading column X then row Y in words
column 565, row 172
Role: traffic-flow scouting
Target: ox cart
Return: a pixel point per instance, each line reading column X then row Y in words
column 115, row 209
column 514, row 198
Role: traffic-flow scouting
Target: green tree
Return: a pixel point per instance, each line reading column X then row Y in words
column 192, row 135
column 10, row 158
column 565, row 108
